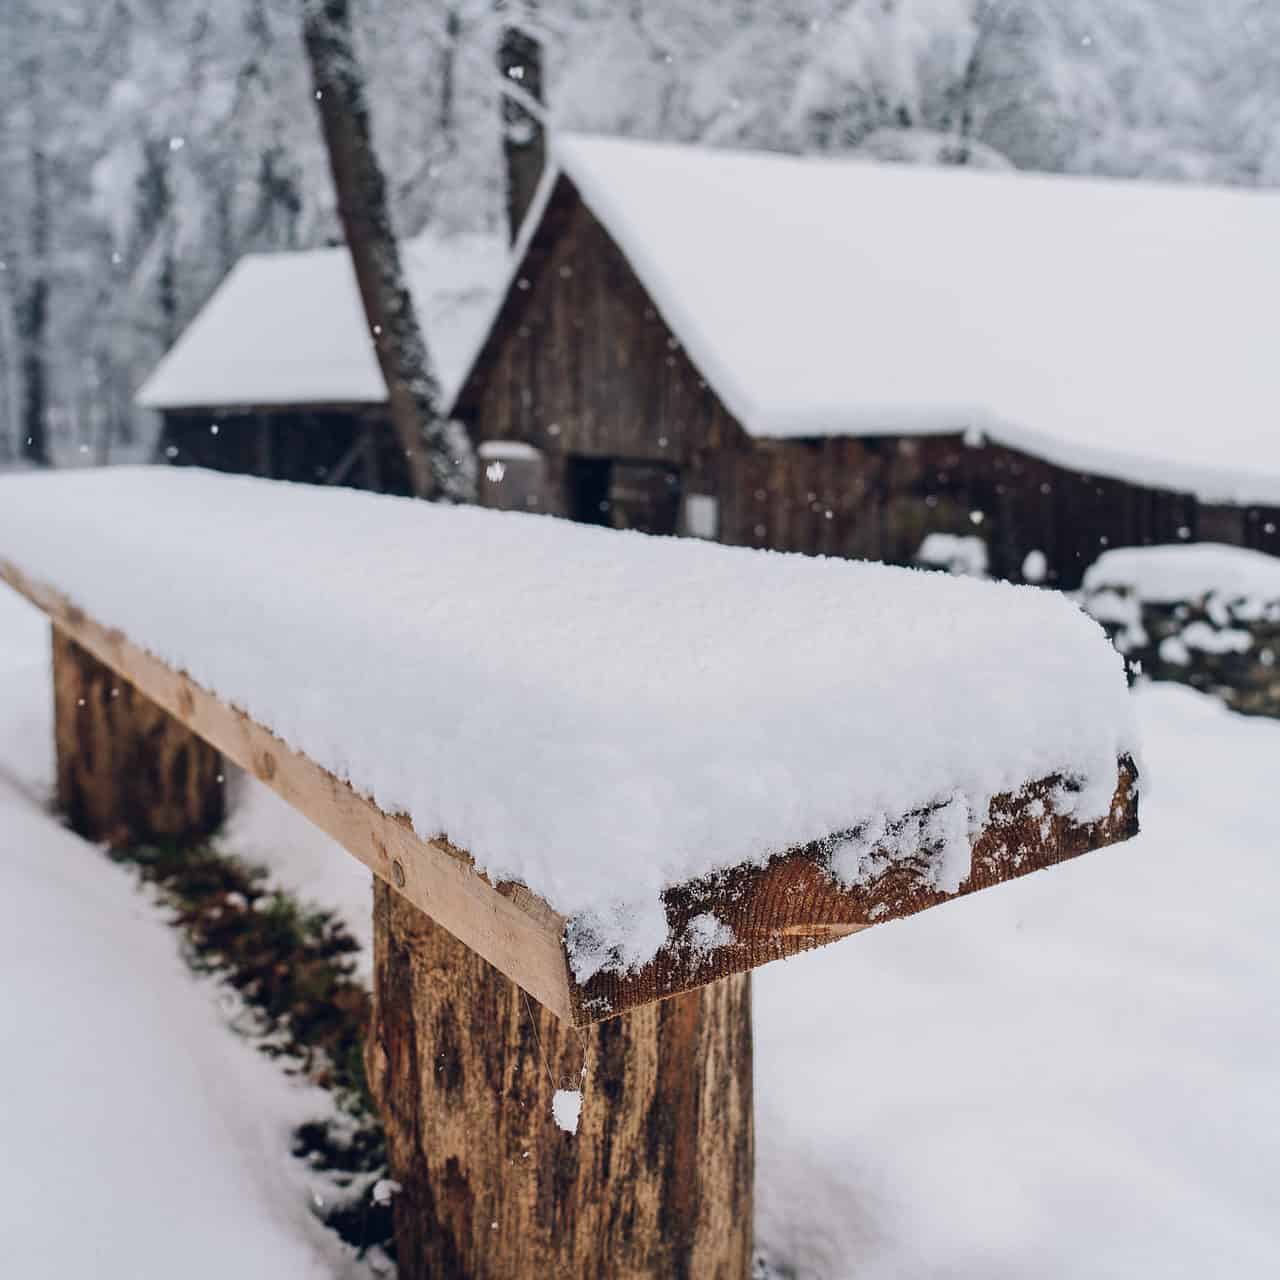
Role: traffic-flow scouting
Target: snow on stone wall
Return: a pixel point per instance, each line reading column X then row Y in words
column 1203, row 615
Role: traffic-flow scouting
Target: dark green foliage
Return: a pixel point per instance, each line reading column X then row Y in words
column 294, row 969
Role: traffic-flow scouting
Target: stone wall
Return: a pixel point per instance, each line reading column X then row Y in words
column 1217, row 641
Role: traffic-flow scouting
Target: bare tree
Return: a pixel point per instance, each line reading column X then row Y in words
column 437, row 452
column 524, row 143
column 29, row 273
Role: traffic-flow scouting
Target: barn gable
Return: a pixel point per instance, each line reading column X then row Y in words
column 579, row 363
column 595, row 387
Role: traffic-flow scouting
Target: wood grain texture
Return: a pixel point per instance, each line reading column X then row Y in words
column 793, row 903
column 789, row 904
column 656, row 1183
column 579, row 362
column 128, row 772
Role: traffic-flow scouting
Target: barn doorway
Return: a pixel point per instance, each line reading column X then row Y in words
column 587, row 485
column 644, row 496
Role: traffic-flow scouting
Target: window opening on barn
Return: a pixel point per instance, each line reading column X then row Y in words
column 701, row 515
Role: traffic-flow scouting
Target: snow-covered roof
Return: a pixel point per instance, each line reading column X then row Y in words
column 1119, row 327
column 1167, row 575
column 569, row 703
column 289, row 328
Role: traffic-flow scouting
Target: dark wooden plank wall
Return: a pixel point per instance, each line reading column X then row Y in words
column 884, row 495
column 580, row 363
column 298, row 443
column 1027, row 504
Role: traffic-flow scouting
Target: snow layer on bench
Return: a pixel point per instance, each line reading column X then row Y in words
column 597, row 714
column 1165, row 575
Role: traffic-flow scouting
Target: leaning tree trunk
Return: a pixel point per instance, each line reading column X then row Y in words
column 32, row 319
column 128, row 772
column 657, row 1181
column 524, row 142
column 33, row 312
column 433, row 452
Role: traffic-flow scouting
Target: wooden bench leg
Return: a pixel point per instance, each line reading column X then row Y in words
column 128, row 772
column 657, row 1182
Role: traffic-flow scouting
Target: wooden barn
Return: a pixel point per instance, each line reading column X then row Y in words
column 816, row 355
column 835, row 357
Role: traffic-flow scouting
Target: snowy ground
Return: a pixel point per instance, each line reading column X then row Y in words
column 1072, row 1076
column 139, row 1136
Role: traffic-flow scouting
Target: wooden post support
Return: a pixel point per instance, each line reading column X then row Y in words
column 657, row 1182
column 128, row 772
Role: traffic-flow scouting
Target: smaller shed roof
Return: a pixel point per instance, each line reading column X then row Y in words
column 289, row 328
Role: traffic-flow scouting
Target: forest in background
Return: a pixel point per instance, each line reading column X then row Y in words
column 145, row 145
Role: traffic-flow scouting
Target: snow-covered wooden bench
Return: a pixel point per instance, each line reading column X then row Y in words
column 594, row 774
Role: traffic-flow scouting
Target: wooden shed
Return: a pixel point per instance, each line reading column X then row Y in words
column 277, row 376
column 835, row 357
